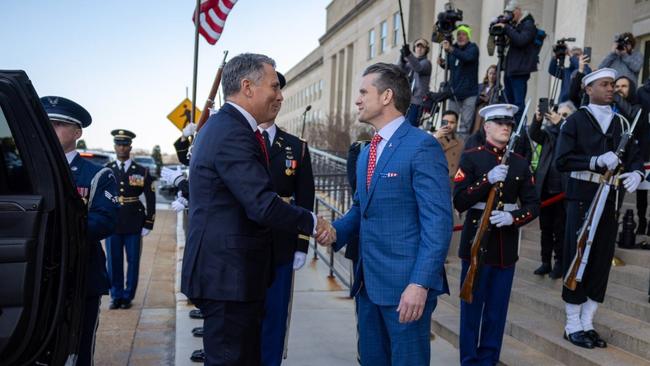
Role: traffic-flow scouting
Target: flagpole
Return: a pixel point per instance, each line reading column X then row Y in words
column 196, row 57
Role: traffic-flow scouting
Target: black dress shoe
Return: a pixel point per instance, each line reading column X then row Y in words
column 641, row 229
column 198, row 356
column 595, row 339
column 196, row 314
column 197, row 332
column 126, row 304
column 543, row 269
column 557, row 271
column 115, row 304
column 579, row 339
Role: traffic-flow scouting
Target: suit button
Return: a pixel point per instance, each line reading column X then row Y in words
column 122, row 183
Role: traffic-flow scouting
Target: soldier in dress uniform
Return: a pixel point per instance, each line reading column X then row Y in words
column 133, row 221
column 292, row 178
column 585, row 148
column 482, row 322
column 96, row 186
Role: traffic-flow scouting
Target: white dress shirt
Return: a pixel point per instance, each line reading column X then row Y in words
column 70, row 155
column 271, row 131
column 387, row 132
column 127, row 164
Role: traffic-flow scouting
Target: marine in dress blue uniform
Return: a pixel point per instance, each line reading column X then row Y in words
column 96, row 186
column 133, row 221
column 292, row 178
column 482, row 322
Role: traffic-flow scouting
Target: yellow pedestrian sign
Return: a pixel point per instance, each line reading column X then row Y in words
column 182, row 115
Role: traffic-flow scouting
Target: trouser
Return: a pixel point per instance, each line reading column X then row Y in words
column 116, row 245
column 465, row 108
column 231, row 332
column 551, row 223
column 384, row 341
column 596, row 273
column 515, row 89
column 641, row 204
column 483, row 321
column 276, row 311
column 89, row 328
column 413, row 114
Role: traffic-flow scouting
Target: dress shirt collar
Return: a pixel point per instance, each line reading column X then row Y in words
column 387, row 131
column 272, row 131
column 249, row 118
column 70, row 155
column 127, row 164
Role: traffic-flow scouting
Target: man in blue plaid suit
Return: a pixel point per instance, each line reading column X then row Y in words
column 402, row 214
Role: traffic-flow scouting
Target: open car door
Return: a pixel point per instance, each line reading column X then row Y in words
column 42, row 226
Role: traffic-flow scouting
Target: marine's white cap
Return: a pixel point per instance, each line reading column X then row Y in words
column 498, row 112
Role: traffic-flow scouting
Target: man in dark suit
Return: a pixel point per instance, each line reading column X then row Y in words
column 227, row 264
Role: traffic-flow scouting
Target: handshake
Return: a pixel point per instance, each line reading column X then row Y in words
column 325, row 232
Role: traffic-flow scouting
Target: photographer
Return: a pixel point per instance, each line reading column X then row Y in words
column 418, row 67
column 450, row 142
column 549, row 182
column 463, row 66
column 567, row 72
column 623, row 58
column 521, row 59
column 577, row 94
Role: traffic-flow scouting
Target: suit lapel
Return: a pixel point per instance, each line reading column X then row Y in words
column 386, row 155
column 362, row 171
column 277, row 146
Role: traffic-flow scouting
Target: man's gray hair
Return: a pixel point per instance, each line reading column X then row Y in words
column 569, row 104
column 243, row 66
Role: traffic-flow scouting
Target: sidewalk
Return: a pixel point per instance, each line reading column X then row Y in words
column 144, row 334
column 323, row 325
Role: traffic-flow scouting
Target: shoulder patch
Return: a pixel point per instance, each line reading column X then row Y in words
column 460, row 176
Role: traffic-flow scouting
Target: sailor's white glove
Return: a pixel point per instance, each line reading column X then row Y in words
column 145, row 232
column 497, row 174
column 631, row 181
column 299, row 260
column 608, row 160
column 171, row 175
column 189, row 130
column 501, row 218
column 179, row 204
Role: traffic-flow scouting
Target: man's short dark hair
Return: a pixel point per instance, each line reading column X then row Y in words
column 243, row 66
column 449, row 112
column 391, row 77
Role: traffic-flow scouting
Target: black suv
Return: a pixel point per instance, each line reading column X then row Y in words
column 42, row 226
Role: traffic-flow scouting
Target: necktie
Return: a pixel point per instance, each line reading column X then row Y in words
column 372, row 159
column 267, row 141
column 122, row 166
column 260, row 139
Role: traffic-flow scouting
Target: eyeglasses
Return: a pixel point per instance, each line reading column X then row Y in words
column 565, row 115
column 420, row 45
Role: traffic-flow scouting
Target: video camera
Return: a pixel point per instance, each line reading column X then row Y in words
column 446, row 24
column 505, row 18
column 621, row 41
column 560, row 48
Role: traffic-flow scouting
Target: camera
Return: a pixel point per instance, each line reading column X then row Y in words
column 505, row 18
column 560, row 48
column 621, row 41
column 446, row 24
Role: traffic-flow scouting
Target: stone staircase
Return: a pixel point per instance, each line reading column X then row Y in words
column 533, row 333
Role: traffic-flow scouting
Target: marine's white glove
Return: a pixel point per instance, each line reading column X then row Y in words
column 299, row 260
column 497, row 174
column 213, row 111
column 189, row 130
column 171, row 175
column 631, row 181
column 145, row 232
column 501, row 218
column 609, row 160
column 179, row 204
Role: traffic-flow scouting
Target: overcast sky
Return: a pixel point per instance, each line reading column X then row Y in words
column 129, row 61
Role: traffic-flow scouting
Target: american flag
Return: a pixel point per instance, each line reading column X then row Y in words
column 212, row 17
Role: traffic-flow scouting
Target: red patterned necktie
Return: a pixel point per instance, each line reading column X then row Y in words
column 372, row 159
column 260, row 139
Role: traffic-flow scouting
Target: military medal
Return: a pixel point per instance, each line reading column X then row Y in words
column 289, row 171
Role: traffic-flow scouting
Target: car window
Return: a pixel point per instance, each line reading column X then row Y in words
column 13, row 175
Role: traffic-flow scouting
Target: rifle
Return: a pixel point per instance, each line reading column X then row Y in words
column 209, row 103
column 479, row 243
column 588, row 229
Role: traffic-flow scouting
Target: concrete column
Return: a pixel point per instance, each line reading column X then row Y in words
column 605, row 19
